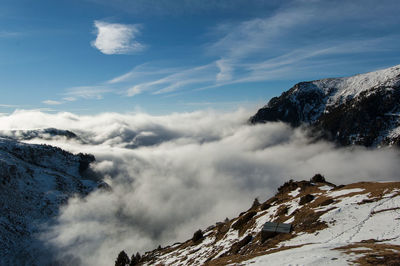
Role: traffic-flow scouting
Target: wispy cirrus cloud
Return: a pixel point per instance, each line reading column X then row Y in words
column 86, row 92
column 52, row 102
column 144, row 71
column 8, row 105
column 183, row 78
column 294, row 64
column 225, row 70
column 290, row 42
column 294, row 41
column 116, row 38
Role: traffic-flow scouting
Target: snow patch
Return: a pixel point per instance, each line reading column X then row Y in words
column 325, row 187
column 295, row 192
column 342, row 192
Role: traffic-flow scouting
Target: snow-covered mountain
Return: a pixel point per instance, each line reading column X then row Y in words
column 335, row 225
column 35, row 181
column 362, row 109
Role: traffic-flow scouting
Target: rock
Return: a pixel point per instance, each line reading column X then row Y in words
column 306, row 199
column 197, row 236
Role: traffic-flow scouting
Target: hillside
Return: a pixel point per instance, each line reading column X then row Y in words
column 362, row 109
column 44, row 133
column 336, row 225
column 35, row 181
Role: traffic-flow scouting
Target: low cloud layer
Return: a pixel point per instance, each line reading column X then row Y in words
column 171, row 175
column 115, row 38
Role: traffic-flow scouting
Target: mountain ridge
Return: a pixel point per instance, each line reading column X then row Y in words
column 363, row 109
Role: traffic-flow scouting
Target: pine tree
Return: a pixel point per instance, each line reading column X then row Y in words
column 135, row 259
column 122, row 259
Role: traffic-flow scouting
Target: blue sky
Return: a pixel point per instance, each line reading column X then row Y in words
column 159, row 56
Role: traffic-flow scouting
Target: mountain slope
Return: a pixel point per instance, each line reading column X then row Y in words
column 362, row 109
column 44, row 133
column 35, row 181
column 331, row 225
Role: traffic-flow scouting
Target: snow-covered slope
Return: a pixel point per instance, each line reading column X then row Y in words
column 332, row 225
column 35, row 180
column 362, row 109
column 350, row 87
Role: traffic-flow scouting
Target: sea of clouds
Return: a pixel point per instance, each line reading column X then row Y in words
column 171, row 175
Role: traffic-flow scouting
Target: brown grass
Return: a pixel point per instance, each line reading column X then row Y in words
column 306, row 219
column 374, row 253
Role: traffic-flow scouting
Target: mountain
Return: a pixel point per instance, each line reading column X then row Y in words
column 362, row 109
column 336, row 225
column 35, row 181
column 45, row 134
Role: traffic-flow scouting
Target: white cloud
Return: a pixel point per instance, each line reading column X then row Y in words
column 225, row 70
column 179, row 79
column 8, row 105
column 115, row 38
column 290, row 42
column 52, row 102
column 86, row 92
column 173, row 174
column 144, row 71
column 70, row 99
column 134, row 91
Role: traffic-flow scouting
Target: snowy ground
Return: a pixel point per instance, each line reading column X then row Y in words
column 360, row 219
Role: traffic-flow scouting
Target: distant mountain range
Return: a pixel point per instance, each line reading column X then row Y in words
column 362, row 109
column 336, row 225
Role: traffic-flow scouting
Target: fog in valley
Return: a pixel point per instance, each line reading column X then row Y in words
column 171, row 175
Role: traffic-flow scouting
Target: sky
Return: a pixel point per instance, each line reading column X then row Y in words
column 162, row 57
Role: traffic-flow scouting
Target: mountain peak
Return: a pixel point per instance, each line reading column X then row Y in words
column 350, row 87
column 363, row 109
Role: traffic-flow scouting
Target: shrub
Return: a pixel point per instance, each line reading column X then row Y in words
column 197, row 236
column 243, row 220
column 318, row 178
column 265, row 206
column 282, row 211
column 256, row 203
column 238, row 245
column 306, row 199
column 326, row 202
